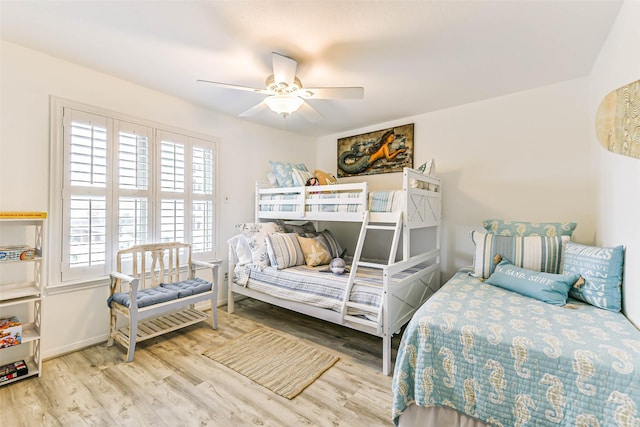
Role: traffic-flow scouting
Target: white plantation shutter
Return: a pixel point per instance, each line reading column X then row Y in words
column 87, row 231
column 85, row 194
column 133, row 185
column 202, row 207
column 126, row 183
column 186, row 182
column 173, row 164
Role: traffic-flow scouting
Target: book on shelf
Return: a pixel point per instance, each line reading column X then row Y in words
column 13, row 370
column 25, row 215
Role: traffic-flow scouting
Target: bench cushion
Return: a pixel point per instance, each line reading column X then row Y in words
column 163, row 293
column 188, row 287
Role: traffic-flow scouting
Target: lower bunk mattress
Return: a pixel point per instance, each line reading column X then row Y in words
column 510, row 360
column 317, row 286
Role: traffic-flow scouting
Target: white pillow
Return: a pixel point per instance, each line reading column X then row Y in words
column 241, row 247
column 255, row 234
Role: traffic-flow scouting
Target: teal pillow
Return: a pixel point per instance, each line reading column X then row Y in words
column 539, row 253
column 524, row 228
column 601, row 268
column 546, row 287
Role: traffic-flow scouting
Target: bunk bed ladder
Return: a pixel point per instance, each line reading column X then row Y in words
column 362, row 308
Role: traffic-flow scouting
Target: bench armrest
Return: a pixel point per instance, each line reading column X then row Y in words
column 205, row 264
column 133, row 287
column 122, row 276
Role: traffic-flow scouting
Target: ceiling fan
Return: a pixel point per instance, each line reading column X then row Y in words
column 286, row 94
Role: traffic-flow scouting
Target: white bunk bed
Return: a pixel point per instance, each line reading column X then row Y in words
column 403, row 286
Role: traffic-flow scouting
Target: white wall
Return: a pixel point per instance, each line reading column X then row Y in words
column 523, row 157
column 28, row 78
column 617, row 176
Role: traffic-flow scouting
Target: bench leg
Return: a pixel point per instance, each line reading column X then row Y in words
column 133, row 334
column 214, row 303
column 112, row 327
column 214, row 315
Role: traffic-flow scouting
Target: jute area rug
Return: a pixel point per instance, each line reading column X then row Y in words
column 283, row 364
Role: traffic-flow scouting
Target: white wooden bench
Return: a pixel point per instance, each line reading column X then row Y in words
column 155, row 288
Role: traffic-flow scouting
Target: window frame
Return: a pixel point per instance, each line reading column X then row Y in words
column 57, row 276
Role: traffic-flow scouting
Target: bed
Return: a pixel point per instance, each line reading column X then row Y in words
column 477, row 354
column 376, row 297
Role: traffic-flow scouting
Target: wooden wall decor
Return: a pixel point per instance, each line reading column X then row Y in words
column 382, row 151
column 618, row 121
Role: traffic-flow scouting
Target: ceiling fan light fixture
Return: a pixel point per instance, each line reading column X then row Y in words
column 283, row 104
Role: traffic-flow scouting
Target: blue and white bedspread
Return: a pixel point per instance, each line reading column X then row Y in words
column 510, row 360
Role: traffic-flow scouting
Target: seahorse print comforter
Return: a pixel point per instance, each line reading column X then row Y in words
column 510, row 360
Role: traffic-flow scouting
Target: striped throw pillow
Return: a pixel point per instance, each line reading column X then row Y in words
column 538, row 253
column 284, row 250
column 335, row 250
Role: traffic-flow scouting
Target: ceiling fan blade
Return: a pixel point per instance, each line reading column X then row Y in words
column 284, row 69
column 331, row 92
column 230, row 86
column 310, row 113
column 253, row 110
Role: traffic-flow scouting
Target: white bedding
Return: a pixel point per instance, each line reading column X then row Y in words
column 437, row 416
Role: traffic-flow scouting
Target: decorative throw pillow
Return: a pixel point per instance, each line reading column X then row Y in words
column 523, row 228
column 325, row 178
column 255, row 234
column 538, row 253
column 547, row 287
column 241, row 248
column 300, row 177
column 601, row 269
column 335, row 250
column 283, row 172
column 284, row 250
column 302, row 229
column 315, row 250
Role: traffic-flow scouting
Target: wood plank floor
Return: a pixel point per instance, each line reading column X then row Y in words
column 170, row 382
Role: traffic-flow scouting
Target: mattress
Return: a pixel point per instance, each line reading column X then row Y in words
column 317, row 286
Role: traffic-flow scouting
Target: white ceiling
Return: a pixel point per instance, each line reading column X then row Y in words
column 412, row 57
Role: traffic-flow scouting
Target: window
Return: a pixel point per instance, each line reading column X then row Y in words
column 124, row 183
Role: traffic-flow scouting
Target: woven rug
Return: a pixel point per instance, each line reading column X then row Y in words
column 285, row 365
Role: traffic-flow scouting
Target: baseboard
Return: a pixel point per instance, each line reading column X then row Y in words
column 88, row 342
column 75, row 346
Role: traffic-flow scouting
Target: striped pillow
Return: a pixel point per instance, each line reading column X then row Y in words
column 300, row 177
column 538, row 253
column 335, row 250
column 284, row 250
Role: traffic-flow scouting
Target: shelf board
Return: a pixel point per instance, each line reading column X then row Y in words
column 18, row 293
column 29, row 334
column 23, row 215
column 22, row 261
column 33, row 371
